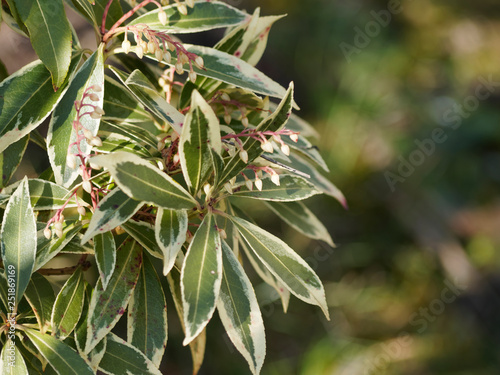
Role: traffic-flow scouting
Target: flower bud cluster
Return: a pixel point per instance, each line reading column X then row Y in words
column 57, row 223
column 161, row 45
column 181, row 7
column 258, row 178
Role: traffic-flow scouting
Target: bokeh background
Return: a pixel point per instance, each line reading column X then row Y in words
column 409, row 125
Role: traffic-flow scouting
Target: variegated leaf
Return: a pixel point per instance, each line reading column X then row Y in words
column 203, row 16
column 170, row 231
column 298, row 216
column 200, row 135
column 18, row 240
column 41, row 298
column 107, row 306
column 147, row 317
column 68, row 305
column 142, row 181
column 115, row 209
column 201, row 278
column 121, row 358
column 105, row 256
column 61, row 135
column 284, row 264
column 239, row 312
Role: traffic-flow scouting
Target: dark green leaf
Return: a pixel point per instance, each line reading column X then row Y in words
column 10, row 159
column 40, row 296
column 105, row 256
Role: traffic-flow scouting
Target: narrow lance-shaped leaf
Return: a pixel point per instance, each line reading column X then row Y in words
column 11, row 360
column 239, row 312
column 50, row 40
column 28, row 98
column 200, row 134
column 68, row 306
column 18, row 239
column 61, row 135
column 107, row 306
column 146, row 93
column 274, row 122
column 291, row 188
column 317, row 179
column 197, row 346
column 59, row 355
column 121, row 358
column 140, row 180
column 201, row 278
column 297, row 215
column 115, row 209
column 203, row 16
column 170, row 231
column 41, row 298
column 143, row 233
column 147, row 317
column 284, row 264
column 10, row 159
column 46, row 195
column 267, row 276
column 105, row 256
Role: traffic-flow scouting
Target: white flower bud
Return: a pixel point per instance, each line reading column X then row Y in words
column 225, row 97
column 162, row 16
column 94, row 166
column 96, row 141
column 96, row 88
column 178, row 68
column 61, row 218
column 71, row 161
column 222, row 234
column 199, row 62
column 151, row 47
column 167, row 57
column 275, row 178
column 99, row 110
column 176, row 159
column 267, row 147
column 47, row 233
column 160, row 146
column 139, row 51
column 258, row 184
column 227, row 118
column 249, row 185
column 87, row 186
column 192, row 76
column 95, row 115
column 294, row 137
column 159, row 54
column 182, row 57
column 59, row 233
column 144, row 46
column 182, row 9
column 170, row 46
column 94, row 97
column 58, row 225
column 87, row 133
column 81, row 210
column 244, row 156
column 244, row 121
column 285, row 149
column 126, row 46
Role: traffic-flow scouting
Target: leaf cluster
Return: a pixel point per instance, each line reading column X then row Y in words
column 147, row 165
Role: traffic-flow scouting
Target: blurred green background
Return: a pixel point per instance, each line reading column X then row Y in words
column 408, row 121
column 413, row 285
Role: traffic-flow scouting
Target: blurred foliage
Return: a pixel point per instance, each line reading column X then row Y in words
column 397, row 251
